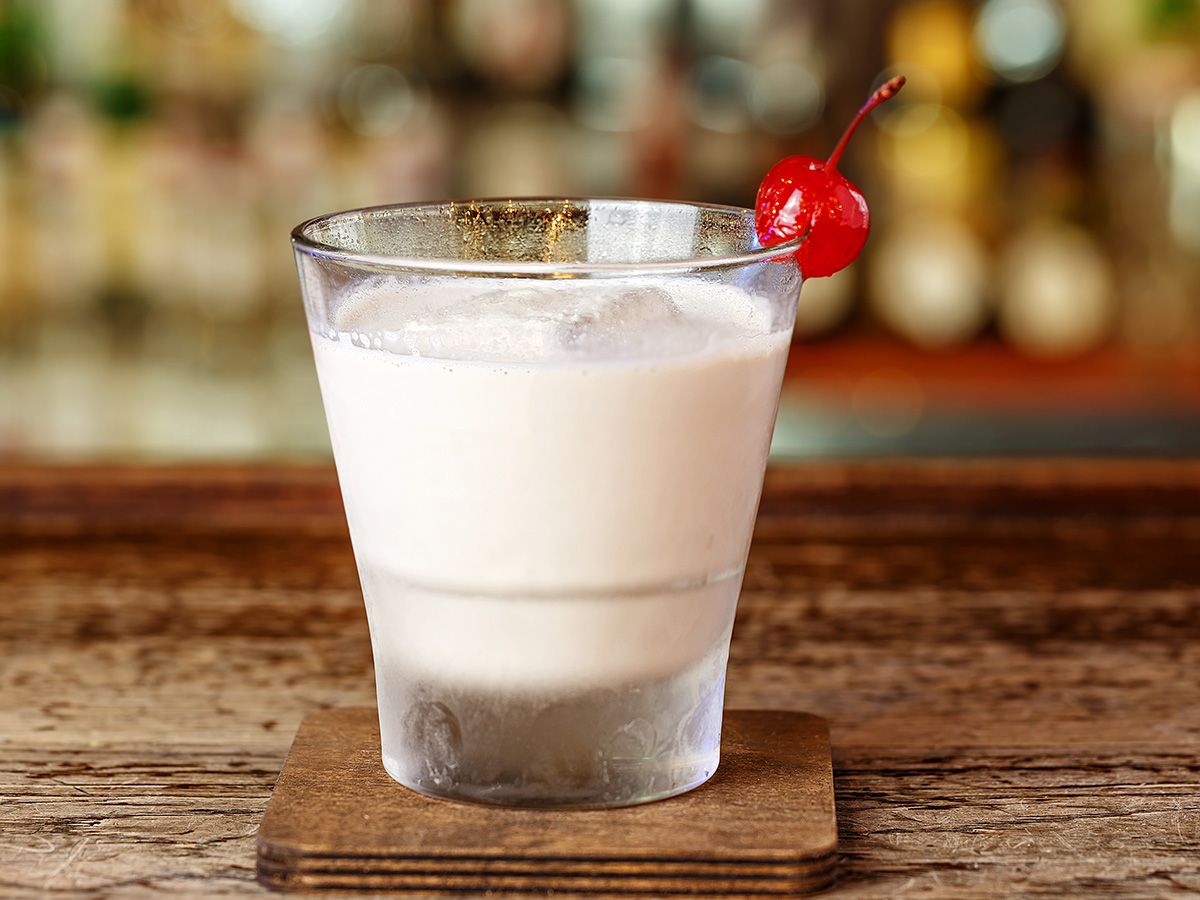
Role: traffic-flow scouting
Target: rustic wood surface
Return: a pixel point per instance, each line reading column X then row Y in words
column 1009, row 654
column 764, row 824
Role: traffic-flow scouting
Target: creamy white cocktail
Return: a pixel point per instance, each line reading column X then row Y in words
column 550, row 486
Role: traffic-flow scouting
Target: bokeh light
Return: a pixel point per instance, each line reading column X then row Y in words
column 721, row 88
column 931, row 157
column 786, row 97
column 825, row 303
column 1185, row 134
column 377, row 100
column 1184, row 206
column 1057, row 292
column 726, row 27
column 287, row 21
column 916, row 107
column 929, row 282
column 1021, row 40
column 520, row 44
column 609, row 90
column 1035, row 190
column 934, row 37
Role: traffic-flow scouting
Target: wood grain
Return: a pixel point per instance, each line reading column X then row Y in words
column 764, row 824
column 1008, row 653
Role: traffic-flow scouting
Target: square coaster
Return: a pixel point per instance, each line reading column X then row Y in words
column 763, row 825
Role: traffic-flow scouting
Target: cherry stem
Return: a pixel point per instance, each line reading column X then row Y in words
column 885, row 93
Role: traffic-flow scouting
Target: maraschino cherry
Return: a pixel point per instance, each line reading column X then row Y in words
column 802, row 195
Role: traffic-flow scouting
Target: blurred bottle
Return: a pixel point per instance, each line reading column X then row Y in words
column 8, row 280
column 519, row 45
column 64, row 149
column 292, row 158
column 660, row 144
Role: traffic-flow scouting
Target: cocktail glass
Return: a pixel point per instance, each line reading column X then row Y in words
column 550, row 420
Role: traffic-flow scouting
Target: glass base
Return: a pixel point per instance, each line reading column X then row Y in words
column 501, row 795
column 587, row 748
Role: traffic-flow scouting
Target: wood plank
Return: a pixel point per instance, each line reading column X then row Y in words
column 1007, row 653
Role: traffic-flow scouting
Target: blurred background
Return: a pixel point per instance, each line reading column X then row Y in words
column 1032, row 283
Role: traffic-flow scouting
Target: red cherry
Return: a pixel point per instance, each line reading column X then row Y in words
column 804, row 196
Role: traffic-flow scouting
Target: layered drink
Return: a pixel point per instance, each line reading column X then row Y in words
column 551, row 485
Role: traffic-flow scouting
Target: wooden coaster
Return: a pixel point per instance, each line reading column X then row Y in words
column 763, row 825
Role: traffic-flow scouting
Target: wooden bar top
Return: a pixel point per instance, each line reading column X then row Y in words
column 1009, row 654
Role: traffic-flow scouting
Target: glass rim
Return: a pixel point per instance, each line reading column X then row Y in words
column 302, row 243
